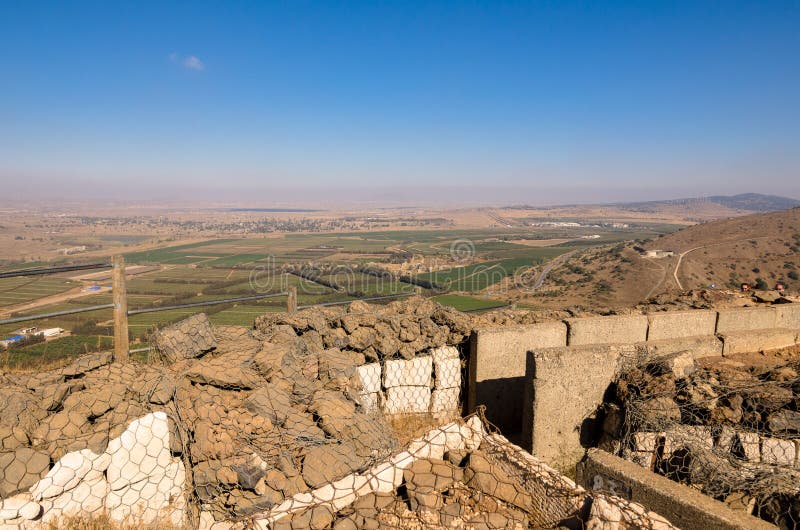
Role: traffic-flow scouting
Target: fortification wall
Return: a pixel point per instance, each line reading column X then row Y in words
column 498, row 374
column 498, row 380
column 681, row 324
column 561, row 393
column 683, row 506
column 607, row 330
column 746, row 319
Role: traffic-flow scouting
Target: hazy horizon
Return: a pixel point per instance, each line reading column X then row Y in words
column 422, row 102
column 390, row 197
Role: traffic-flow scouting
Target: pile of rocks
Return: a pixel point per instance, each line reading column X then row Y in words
column 84, row 440
column 728, row 428
column 245, row 418
column 726, row 393
column 464, row 489
column 397, row 330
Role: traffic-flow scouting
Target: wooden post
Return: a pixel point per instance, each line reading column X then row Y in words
column 291, row 301
column 120, row 299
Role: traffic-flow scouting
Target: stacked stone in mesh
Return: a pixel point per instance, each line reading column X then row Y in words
column 189, row 338
column 401, row 329
column 730, row 430
column 82, row 441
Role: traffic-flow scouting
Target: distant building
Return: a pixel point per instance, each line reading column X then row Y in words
column 659, row 253
column 72, row 250
column 5, row 343
column 51, row 332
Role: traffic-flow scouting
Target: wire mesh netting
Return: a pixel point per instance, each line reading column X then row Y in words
column 224, row 421
column 327, row 418
column 729, row 428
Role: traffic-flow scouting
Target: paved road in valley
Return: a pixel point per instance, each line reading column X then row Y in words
column 550, row 266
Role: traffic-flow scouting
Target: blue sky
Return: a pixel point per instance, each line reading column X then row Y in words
column 506, row 101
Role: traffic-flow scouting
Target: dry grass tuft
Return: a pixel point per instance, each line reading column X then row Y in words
column 407, row 427
column 103, row 522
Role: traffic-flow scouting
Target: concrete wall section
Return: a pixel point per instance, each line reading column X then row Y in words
column 702, row 346
column 497, row 368
column 607, row 330
column 564, row 387
column 746, row 319
column 683, row 506
column 788, row 316
column 758, row 340
column 681, row 324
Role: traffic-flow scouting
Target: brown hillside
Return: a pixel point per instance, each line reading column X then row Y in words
column 722, row 253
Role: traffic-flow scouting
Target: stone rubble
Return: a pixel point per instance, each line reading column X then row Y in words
column 284, row 417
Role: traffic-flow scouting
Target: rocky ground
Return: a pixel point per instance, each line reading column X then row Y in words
column 727, row 426
column 463, row 490
column 256, row 415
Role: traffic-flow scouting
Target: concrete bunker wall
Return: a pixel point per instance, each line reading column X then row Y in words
column 497, row 368
column 683, row 506
column 498, row 356
column 681, row 324
column 602, row 330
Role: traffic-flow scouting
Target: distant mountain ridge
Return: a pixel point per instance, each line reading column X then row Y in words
column 752, row 202
column 743, row 202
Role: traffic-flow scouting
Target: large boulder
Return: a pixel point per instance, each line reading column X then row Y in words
column 187, row 339
column 225, row 371
column 327, row 463
column 21, row 469
column 272, row 403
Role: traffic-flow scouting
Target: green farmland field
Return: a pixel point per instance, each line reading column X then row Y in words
column 234, row 267
column 23, row 289
column 45, row 353
column 466, row 303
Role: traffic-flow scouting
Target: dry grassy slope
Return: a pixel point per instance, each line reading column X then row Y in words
column 741, row 249
column 724, row 252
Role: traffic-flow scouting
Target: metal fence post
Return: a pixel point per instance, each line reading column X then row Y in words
column 120, row 299
column 291, row 300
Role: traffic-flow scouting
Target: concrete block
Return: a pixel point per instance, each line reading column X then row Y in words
column 788, row 316
column 757, row 340
column 750, row 445
column 565, row 387
column 725, row 440
column 146, row 436
column 407, row 399
column 681, row 324
column 699, row 346
column 65, row 474
column 644, row 459
column 681, row 505
column 370, row 401
column 746, row 319
column 445, row 400
column 778, row 452
column 384, row 477
column 646, row 441
column 368, row 377
column 19, row 506
column 497, row 368
column 615, row 329
column 413, row 372
column 689, row 437
column 446, row 367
